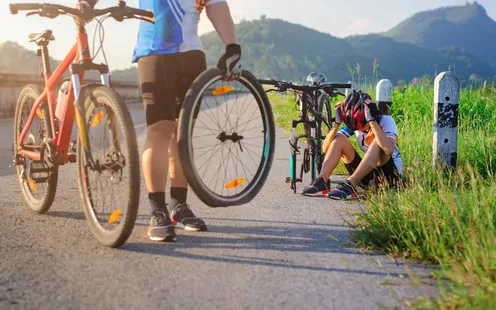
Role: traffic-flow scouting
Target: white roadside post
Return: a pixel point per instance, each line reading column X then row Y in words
column 348, row 90
column 446, row 99
column 384, row 96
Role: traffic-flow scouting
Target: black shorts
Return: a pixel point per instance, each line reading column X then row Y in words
column 386, row 174
column 164, row 81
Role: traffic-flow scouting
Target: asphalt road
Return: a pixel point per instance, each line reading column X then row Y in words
column 281, row 251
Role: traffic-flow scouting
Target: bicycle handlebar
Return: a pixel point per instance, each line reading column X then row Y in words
column 53, row 10
column 283, row 86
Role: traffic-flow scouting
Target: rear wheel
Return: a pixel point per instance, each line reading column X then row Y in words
column 240, row 126
column 38, row 179
column 323, row 128
column 110, row 190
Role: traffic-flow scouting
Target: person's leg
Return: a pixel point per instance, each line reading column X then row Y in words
column 373, row 158
column 340, row 148
column 157, row 95
column 193, row 64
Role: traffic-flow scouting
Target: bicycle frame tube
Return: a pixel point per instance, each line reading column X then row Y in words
column 61, row 137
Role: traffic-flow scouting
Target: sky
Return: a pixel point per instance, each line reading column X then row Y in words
column 339, row 18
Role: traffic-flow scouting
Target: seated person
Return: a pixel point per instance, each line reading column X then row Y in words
column 377, row 137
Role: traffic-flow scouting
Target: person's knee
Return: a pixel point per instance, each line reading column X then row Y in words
column 160, row 133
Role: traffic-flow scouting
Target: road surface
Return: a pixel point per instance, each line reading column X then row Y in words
column 281, row 251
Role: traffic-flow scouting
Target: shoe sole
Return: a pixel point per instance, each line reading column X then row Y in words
column 322, row 193
column 188, row 228
column 170, row 238
column 352, row 198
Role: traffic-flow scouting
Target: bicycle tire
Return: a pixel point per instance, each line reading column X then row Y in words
column 323, row 101
column 113, row 100
column 185, row 122
column 292, row 165
column 42, row 205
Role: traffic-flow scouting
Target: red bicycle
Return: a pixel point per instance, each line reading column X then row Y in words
column 44, row 122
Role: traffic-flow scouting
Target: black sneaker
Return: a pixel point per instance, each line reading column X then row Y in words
column 161, row 227
column 317, row 188
column 183, row 217
column 344, row 191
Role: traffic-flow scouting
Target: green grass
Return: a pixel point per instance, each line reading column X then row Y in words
column 446, row 218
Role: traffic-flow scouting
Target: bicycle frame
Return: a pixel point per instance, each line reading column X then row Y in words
column 61, row 136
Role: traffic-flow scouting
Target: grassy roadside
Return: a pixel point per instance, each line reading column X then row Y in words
column 444, row 218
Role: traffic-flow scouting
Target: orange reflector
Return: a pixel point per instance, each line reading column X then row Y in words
column 222, row 90
column 235, row 183
column 97, row 119
column 114, row 216
column 39, row 113
column 31, row 183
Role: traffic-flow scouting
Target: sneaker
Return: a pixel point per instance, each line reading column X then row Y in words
column 161, row 228
column 317, row 188
column 344, row 191
column 182, row 217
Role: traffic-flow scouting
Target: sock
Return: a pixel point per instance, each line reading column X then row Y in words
column 157, row 201
column 178, row 195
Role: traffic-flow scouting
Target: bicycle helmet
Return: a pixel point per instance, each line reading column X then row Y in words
column 353, row 110
column 316, row 78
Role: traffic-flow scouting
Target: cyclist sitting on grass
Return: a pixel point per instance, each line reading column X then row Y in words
column 377, row 137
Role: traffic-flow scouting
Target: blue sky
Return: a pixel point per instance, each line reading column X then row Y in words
column 336, row 17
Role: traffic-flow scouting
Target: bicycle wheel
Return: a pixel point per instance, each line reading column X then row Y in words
column 116, row 163
column 37, row 179
column 292, row 164
column 237, row 185
column 324, row 108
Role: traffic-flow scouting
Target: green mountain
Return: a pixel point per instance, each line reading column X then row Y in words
column 467, row 27
column 273, row 48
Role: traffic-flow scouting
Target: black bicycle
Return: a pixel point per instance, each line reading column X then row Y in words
column 315, row 115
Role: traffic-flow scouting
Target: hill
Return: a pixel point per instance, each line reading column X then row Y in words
column 467, row 27
column 283, row 50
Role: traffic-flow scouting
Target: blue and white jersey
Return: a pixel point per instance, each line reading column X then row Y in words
column 365, row 139
column 175, row 29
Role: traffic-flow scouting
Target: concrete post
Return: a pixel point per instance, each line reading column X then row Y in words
column 384, row 96
column 446, row 99
column 348, row 90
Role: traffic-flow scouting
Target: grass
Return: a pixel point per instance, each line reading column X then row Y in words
column 446, row 218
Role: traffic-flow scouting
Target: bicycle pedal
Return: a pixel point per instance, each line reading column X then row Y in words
column 288, row 180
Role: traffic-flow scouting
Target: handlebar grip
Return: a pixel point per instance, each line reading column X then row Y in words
column 268, row 82
column 340, row 85
column 142, row 12
column 14, row 7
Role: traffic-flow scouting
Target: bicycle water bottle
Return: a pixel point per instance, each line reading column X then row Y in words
column 62, row 102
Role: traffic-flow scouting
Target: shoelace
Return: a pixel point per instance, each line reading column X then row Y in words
column 185, row 210
column 160, row 216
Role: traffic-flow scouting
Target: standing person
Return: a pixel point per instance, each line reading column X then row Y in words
column 170, row 56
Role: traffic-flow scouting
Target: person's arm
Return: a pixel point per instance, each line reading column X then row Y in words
column 386, row 143
column 220, row 17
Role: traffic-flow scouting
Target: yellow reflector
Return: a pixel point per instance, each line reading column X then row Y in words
column 114, row 216
column 39, row 113
column 222, row 90
column 235, row 183
column 31, row 183
column 97, row 119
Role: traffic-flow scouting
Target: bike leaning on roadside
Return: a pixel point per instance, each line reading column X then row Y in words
column 316, row 117
column 44, row 121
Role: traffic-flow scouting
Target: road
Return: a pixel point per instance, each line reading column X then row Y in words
column 281, row 251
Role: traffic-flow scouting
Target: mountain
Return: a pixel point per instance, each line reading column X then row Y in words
column 466, row 27
column 273, row 48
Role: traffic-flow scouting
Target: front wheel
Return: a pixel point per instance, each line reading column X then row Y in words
column 323, row 128
column 110, row 185
column 226, row 138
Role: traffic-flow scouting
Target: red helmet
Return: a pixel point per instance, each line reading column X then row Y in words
column 353, row 110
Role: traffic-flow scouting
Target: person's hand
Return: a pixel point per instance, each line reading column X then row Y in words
column 371, row 110
column 230, row 62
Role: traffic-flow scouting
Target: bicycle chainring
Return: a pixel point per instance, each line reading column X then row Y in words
column 306, row 160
